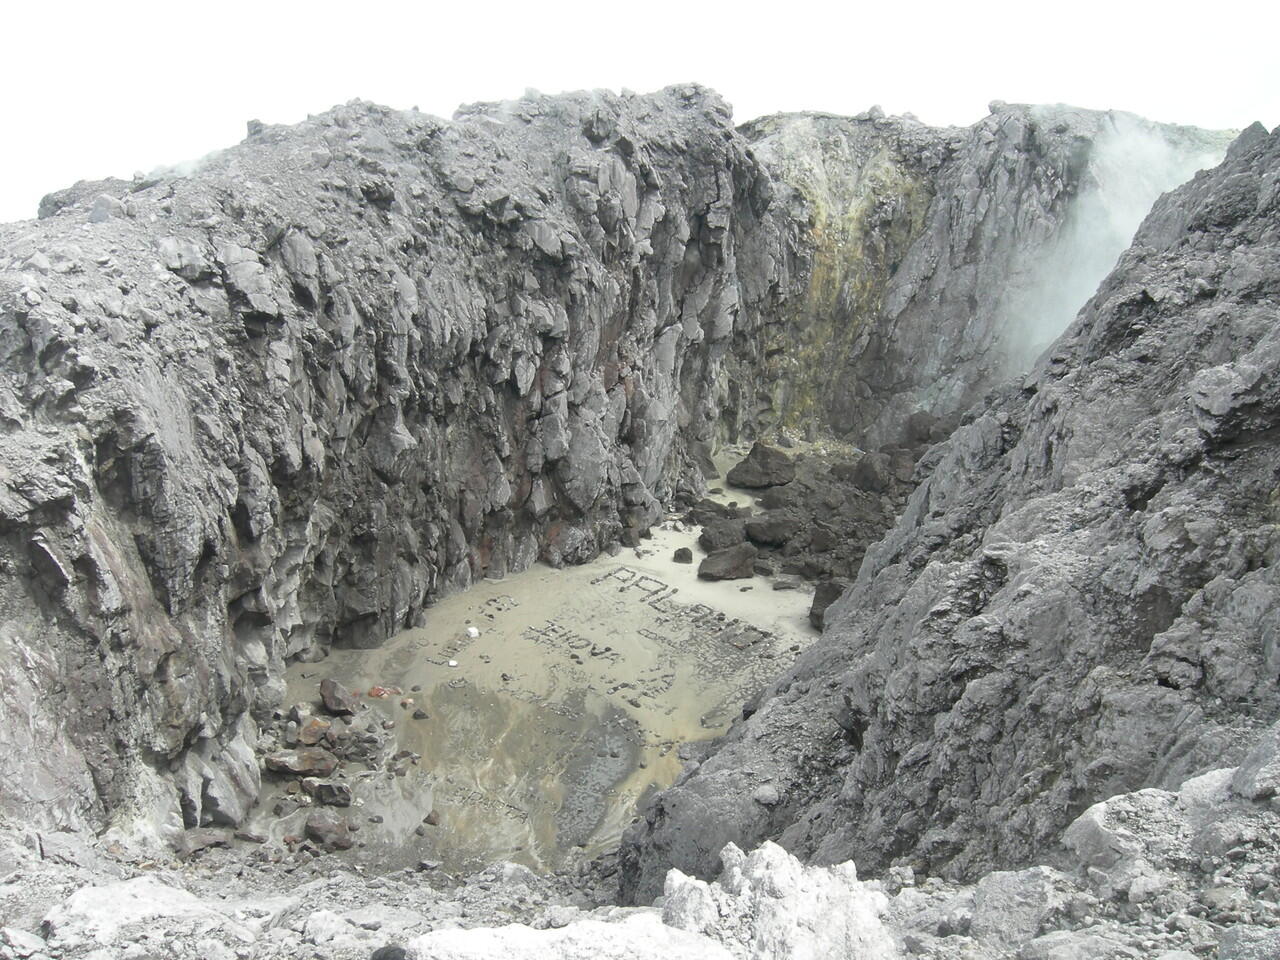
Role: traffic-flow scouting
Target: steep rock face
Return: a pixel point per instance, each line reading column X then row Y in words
column 286, row 401
column 941, row 260
column 1080, row 599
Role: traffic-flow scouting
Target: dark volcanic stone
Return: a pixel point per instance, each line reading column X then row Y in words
column 389, row 952
column 827, row 593
column 202, row 838
column 722, row 533
column 772, row 529
column 764, row 467
column 682, row 555
column 873, row 473
column 706, row 511
column 329, row 829
column 312, row 731
column 328, row 792
column 731, row 563
column 338, row 699
column 307, row 762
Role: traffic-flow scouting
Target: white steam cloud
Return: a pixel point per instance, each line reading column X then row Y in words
column 1132, row 163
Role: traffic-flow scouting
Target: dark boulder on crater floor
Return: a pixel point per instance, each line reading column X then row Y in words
column 329, row 829
column 771, row 529
column 731, row 563
column 305, row 762
column 764, row 466
column 337, row 699
column 719, row 534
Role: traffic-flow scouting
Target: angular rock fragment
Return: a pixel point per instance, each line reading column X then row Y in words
column 772, row 529
column 331, row 793
column 764, row 466
column 720, row 534
column 337, row 699
column 305, row 762
column 329, row 829
column 825, row 594
column 731, row 563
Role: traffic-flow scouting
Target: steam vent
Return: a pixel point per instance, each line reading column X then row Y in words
column 586, row 528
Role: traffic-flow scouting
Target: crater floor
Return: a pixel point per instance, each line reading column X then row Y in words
column 553, row 700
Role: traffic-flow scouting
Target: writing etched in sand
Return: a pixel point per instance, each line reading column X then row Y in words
column 539, row 710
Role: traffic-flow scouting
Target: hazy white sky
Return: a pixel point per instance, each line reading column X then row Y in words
column 118, row 87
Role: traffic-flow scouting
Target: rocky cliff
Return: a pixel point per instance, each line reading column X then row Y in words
column 1080, row 599
column 287, row 400
column 940, row 260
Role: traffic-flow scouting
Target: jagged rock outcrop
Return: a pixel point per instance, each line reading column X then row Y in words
column 286, row 401
column 940, row 260
column 1080, row 599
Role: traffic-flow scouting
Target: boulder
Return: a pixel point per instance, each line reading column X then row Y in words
column 772, row 529
column 706, row 511
column 328, row 792
column 337, row 699
column 312, row 731
column 731, row 563
column 329, row 829
column 306, row 762
column 873, row 473
column 683, row 555
column 764, row 466
column 721, row 533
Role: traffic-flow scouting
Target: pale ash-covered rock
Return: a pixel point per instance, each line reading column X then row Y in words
column 1081, row 598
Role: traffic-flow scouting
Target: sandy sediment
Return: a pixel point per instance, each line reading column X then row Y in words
column 544, row 730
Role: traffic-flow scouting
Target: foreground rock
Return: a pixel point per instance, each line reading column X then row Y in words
column 337, row 699
column 1151, row 874
column 1078, row 601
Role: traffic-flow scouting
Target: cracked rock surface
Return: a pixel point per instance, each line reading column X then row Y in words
column 1079, row 600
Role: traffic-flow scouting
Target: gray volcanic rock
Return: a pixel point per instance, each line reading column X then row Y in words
column 826, row 593
column 1081, row 598
column 286, row 401
column 764, row 466
column 719, row 534
column 731, row 563
column 337, row 699
column 940, row 260
column 307, row 762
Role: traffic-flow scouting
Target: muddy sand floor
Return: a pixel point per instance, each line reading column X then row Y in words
column 553, row 700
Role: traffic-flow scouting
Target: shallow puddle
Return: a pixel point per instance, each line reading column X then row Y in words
column 544, row 730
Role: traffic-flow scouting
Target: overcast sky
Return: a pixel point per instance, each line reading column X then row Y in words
column 120, row 87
